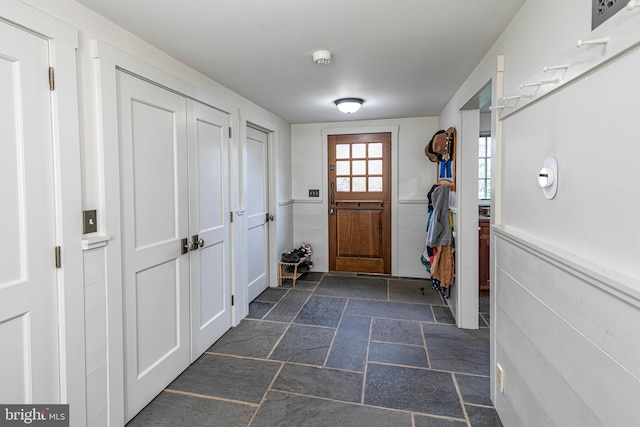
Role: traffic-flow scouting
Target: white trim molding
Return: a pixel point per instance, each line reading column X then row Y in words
column 625, row 288
column 94, row 242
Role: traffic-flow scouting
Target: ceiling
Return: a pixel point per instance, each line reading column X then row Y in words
column 405, row 58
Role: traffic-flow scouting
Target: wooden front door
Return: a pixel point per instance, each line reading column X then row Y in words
column 360, row 203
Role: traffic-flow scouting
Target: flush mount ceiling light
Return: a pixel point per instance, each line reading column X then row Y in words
column 349, row 105
column 321, row 57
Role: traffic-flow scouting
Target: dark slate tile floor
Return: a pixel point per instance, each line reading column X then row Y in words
column 338, row 350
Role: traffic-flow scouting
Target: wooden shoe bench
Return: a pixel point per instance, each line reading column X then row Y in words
column 285, row 271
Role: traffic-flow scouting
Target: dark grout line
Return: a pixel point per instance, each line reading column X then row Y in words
column 397, row 343
column 206, row 396
column 279, row 341
column 335, row 332
column 457, row 387
column 424, row 341
column 235, row 356
column 479, row 406
column 366, row 363
column 264, row 396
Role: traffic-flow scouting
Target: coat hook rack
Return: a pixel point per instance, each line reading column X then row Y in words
column 540, row 83
column 506, row 98
column 581, row 43
column 555, row 67
column 633, row 4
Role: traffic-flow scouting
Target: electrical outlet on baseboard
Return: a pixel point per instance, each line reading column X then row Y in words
column 500, row 377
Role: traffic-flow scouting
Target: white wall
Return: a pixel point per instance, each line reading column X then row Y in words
column 104, row 403
column 565, row 287
column 415, row 176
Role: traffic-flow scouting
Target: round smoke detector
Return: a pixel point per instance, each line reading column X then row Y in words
column 321, row 57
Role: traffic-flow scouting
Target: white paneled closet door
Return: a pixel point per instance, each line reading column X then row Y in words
column 155, row 219
column 174, row 159
column 257, row 212
column 29, row 363
column 209, row 225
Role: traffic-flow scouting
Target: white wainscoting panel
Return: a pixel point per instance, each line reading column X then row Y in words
column 95, row 306
column 569, row 346
column 412, row 222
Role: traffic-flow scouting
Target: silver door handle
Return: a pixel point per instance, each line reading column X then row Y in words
column 333, row 195
column 195, row 244
column 201, row 242
column 187, row 245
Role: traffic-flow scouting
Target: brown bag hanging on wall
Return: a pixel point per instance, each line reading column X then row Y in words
column 429, row 151
column 441, row 146
column 440, row 143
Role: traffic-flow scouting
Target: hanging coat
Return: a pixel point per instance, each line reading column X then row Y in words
column 439, row 233
column 443, row 268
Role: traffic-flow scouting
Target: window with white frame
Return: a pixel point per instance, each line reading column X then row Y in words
column 484, row 167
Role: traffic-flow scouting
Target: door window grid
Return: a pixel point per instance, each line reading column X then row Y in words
column 484, row 168
column 359, row 168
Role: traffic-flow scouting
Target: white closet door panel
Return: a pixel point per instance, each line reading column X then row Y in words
column 211, row 161
column 213, row 301
column 12, row 170
column 209, row 220
column 29, row 359
column 154, row 192
column 157, row 320
column 154, row 156
column 257, row 207
column 256, row 245
column 15, row 367
column 257, row 190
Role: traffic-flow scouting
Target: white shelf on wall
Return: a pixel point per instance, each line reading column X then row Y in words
column 594, row 50
column 96, row 241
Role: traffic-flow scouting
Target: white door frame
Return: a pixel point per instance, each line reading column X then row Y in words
column 465, row 293
column 466, row 225
column 63, row 42
column 272, row 130
column 108, row 60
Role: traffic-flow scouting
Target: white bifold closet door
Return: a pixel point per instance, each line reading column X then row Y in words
column 175, row 237
column 29, row 362
column 209, row 225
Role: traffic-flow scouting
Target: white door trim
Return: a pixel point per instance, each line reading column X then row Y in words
column 108, row 60
column 466, row 225
column 393, row 129
column 63, row 42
